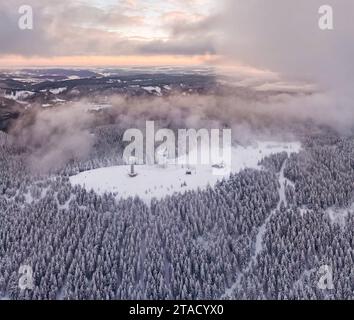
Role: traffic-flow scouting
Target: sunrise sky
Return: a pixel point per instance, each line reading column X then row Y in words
column 280, row 36
column 109, row 32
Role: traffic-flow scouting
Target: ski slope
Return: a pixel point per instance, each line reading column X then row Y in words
column 158, row 182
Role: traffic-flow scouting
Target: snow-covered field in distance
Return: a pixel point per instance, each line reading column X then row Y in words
column 157, row 182
column 19, row 95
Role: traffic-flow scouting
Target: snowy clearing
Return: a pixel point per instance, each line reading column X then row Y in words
column 98, row 107
column 339, row 215
column 58, row 90
column 158, row 182
column 19, row 95
column 153, row 90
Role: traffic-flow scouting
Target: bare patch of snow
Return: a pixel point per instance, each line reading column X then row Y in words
column 159, row 182
column 19, row 95
column 58, row 90
column 304, row 211
column 204, row 243
column 153, row 90
column 57, row 100
column 339, row 215
column 99, row 107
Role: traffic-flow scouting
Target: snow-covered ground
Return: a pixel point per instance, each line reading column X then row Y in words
column 157, row 182
column 19, row 95
column 58, row 90
column 339, row 215
column 98, row 107
column 153, row 90
column 283, row 182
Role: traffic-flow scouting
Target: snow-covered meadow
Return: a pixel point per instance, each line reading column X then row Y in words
column 158, row 182
column 19, row 95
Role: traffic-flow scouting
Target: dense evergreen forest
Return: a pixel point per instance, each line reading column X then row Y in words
column 260, row 234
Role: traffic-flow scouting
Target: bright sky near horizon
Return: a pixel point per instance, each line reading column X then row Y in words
column 281, row 36
column 109, row 32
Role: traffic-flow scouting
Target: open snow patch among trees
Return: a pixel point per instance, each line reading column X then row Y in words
column 339, row 215
column 19, row 95
column 158, row 182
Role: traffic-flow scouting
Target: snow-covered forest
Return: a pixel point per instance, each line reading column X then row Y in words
column 260, row 234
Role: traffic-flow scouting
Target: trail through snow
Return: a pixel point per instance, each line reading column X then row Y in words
column 283, row 182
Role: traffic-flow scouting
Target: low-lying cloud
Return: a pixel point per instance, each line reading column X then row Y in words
column 56, row 136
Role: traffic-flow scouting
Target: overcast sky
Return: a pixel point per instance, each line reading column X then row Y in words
column 168, row 31
column 277, row 35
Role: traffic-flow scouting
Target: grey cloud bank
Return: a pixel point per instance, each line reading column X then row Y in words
column 284, row 37
column 69, row 28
